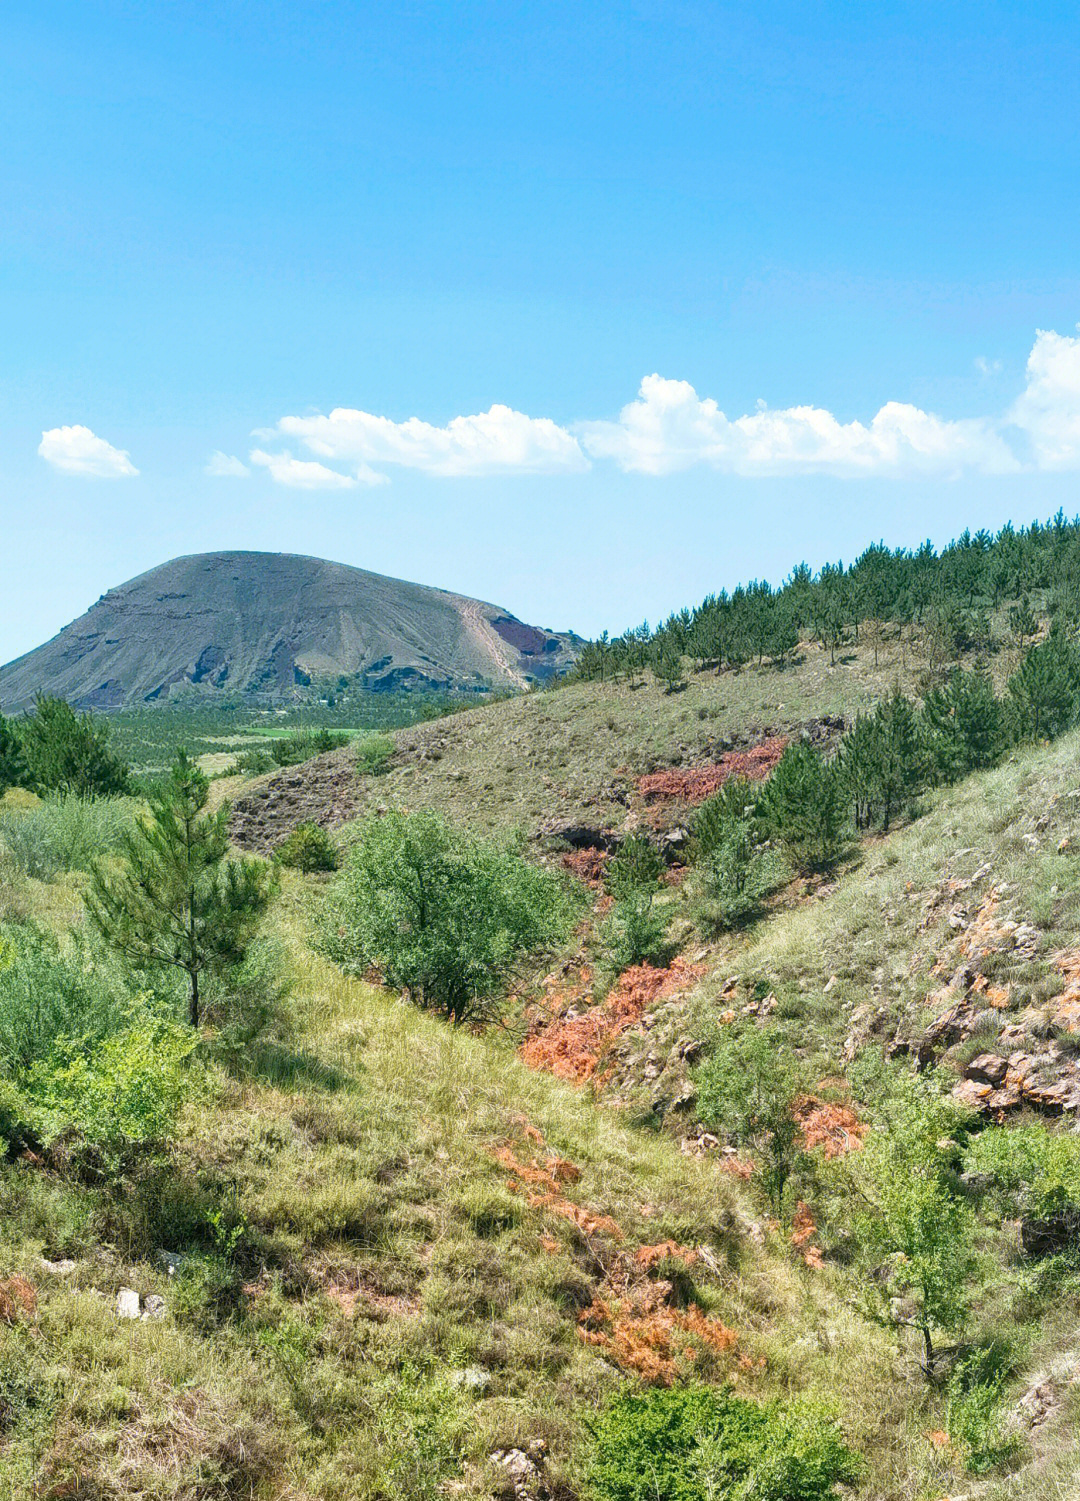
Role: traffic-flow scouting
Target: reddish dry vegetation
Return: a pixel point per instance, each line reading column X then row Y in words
column 572, row 1047
column 640, row 1332
column 834, row 1128
column 588, row 865
column 542, row 1182
column 630, row 1317
column 803, row 1230
column 18, row 1299
column 693, row 784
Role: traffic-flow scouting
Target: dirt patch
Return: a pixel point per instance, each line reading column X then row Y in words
column 324, row 790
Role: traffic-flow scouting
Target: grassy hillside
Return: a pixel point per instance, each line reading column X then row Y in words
column 573, row 755
column 381, row 1258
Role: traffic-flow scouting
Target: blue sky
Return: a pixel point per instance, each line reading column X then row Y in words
column 612, row 304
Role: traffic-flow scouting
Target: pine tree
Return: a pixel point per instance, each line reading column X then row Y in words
column 13, row 772
column 173, row 898
column 69, row 752
column 667, row 664
column 803, row 806
column 1045, row 688
column 964, row 724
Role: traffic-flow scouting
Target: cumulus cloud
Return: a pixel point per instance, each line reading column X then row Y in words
column 305, row 474
column 499, row 441
column 670, row 427
column 1048, row 411
column 76, row 450
column 225, row 466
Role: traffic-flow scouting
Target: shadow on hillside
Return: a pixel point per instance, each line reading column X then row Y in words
column 288, row 1068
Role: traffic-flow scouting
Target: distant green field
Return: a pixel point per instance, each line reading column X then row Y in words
column 149, row 738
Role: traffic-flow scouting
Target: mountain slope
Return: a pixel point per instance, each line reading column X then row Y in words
column 270, row 623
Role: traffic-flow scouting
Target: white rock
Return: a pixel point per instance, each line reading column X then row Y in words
column 127, row 1303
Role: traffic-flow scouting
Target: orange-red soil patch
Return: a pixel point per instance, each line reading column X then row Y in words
column 572, row 1047
column 693, row 784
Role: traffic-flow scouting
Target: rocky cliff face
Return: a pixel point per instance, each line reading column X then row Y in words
column 273, row 625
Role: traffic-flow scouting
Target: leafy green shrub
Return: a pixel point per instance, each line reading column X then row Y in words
column 65, row 832
column 68, row 752
column 635, row 932
column 974, row 1418
column 205, row 1290
column 747, row 1090
column 290, row 750
column 114, row 1097
column 373, row 754
column 915, row 1231
column 50, row 990
column 1035, row 1170
column 700, row 1443
column 444, row 916
column 308, row 848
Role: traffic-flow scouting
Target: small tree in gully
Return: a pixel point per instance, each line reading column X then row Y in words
column 172, row 898
column 916, row 1230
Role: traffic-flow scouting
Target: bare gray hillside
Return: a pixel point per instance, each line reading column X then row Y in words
column 270, row 623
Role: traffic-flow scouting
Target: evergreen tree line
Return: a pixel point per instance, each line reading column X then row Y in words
column 948, row 595
column 889, row 756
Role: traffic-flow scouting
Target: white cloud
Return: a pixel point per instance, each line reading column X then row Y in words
column 1048, row 411
column 225, row 466
column 76, row 450
column 304, row 474
column 498, row 441
column 669, row 427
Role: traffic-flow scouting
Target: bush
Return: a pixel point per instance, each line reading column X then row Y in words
column 308, row 848
column 974, row 1418
column 252, row 763
column 65, row 832
column 442, row 915
column 747, row 1090
column 373, row 753
column 1035, row 1170
column 113, row 1098
column 49, row 991
column 634, row 931
column 700, row 1443
column 301, row 746
column 245, row 1000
